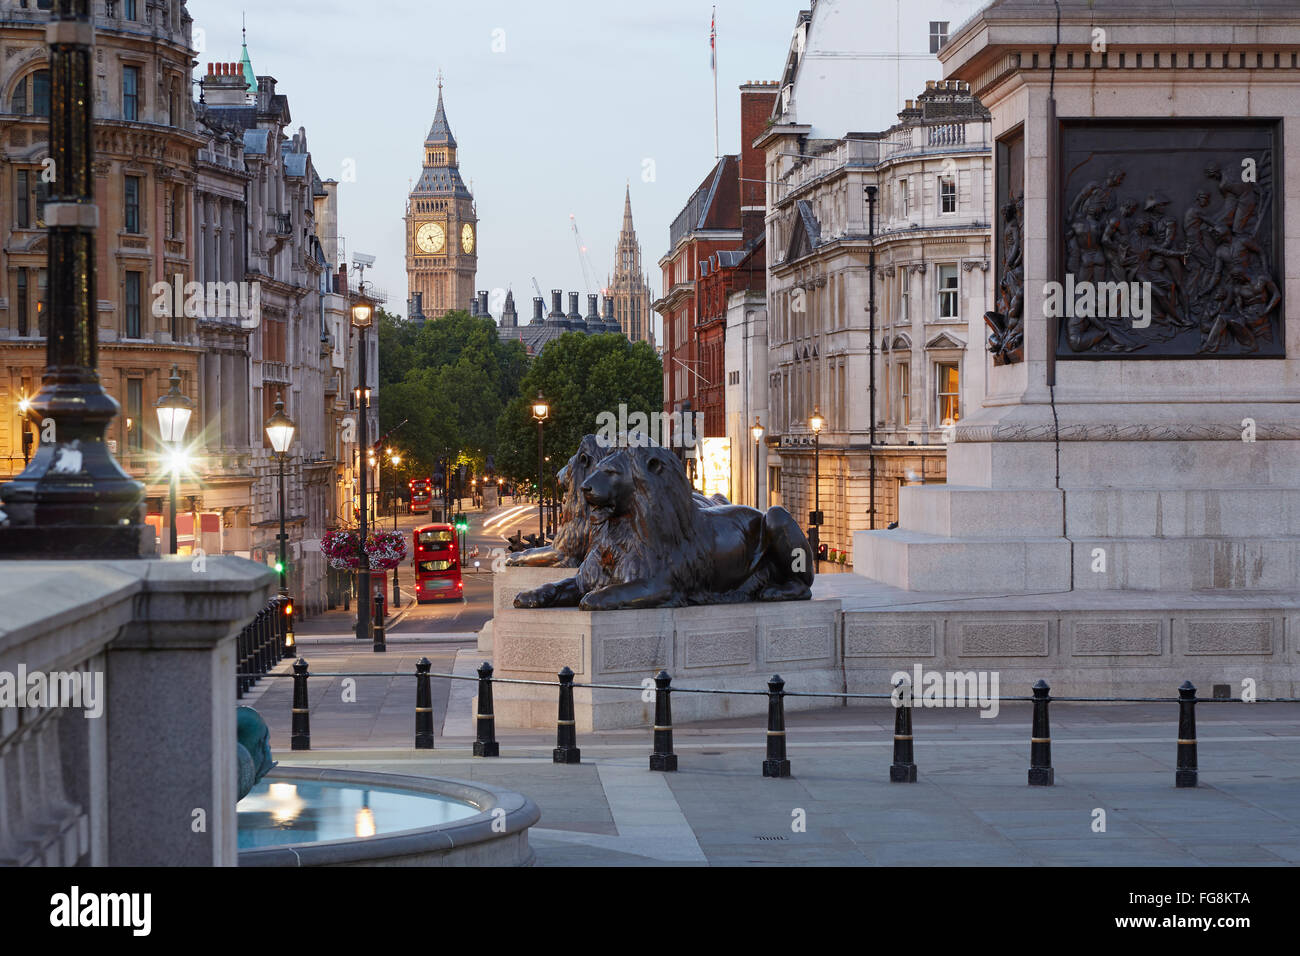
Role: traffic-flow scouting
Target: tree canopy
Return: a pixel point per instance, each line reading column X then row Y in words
column 580, row 376
column 449, row 379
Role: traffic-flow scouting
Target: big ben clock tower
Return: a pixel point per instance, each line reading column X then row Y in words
column 441, row 228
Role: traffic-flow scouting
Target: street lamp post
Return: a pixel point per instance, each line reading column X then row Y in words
column 817, row 423
column 871, row 347
column 279, row 431
column 757, row 432
column 540, row 412
column 174, row 410
column 363, row 314
column 396, row 460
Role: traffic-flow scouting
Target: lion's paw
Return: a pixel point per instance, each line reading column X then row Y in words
column 527, row 599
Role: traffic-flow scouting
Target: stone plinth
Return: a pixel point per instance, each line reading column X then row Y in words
column 1134, row 643
column 732, row 646
column 1117, row 520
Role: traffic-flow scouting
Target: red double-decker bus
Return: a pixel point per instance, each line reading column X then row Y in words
column 437, row 564
column 421, row 494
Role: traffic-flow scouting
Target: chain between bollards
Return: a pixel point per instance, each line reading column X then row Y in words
column 776, row 764
column 566, row 734
column 423, row 705
column 663, row 757
column 1186, row 774
column 300, row 738
column 486, row 743
column 1041, row 773
column 903, row 769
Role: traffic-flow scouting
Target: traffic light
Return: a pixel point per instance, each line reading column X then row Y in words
column 279, row 568
column 461, row 521
column 288, row 607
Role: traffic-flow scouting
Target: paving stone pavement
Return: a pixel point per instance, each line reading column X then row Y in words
column 970, row 806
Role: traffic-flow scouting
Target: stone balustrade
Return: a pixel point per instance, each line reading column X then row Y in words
column 141, row 770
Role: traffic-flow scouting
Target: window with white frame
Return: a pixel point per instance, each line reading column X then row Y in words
column 947, row 195
column 938, row 34
column 947, row 278
column 902, row 199
column 902, row 392
column 947, row 382
column 904, row 292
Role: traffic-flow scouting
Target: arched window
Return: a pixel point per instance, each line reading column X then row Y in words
column 31, row 97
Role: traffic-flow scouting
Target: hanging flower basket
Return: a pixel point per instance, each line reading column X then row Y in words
column 385, row 549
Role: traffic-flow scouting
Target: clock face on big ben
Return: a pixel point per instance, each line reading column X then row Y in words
column 467, row 238
column 431, row 237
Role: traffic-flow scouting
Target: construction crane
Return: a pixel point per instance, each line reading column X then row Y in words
column 584, row 260
column 538, row 289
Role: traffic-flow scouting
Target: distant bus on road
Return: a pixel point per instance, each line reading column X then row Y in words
column 437, row 564
column 421, row 494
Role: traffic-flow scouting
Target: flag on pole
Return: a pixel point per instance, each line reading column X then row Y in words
column 713, row 41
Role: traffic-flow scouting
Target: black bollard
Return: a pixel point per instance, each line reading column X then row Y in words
column 1041, row 773
column 1185, row 775
column 259, row 645
column 903, row 769
column 776, row 765
column 566, row 733
column 423, row 706
column 486, row 744
column 378, row 624
column 663, row 757
column 300, row 737
column 264, row 642
column 241, row 682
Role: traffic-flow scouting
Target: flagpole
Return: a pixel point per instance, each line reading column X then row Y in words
column 713, row 41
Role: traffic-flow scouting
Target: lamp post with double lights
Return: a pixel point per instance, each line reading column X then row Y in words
column 363, row 315
column 540, row 412
column 816, row 423
column 279, row 432
column 395, row 459
column 174, row 410
column 757, row 432
column 871, row 348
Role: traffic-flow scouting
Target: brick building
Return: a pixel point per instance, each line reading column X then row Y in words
column 721, row 222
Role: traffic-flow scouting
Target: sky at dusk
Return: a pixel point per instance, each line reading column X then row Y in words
column 555, row 107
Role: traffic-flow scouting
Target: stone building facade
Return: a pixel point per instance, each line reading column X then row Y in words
column 720, row 223
column 146, row 175
column 933, row 212
column 207, row 259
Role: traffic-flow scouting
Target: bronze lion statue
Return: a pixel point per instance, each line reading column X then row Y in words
column 654, row 546
column 573, row 535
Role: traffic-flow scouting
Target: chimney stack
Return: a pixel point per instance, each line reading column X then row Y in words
column 593, row 316
column 483, row 302
column 556, row 315
column 574, row 316
column 473, row 306
column 538, row 304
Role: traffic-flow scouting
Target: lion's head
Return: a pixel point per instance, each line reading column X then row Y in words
column 573, row 537
column 638, row 476
column 641, row 497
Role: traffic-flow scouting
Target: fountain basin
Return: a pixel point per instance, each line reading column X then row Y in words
column 304, row 816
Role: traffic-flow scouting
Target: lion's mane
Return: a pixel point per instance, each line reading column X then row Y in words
column 660, row 530
column 574, row 534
